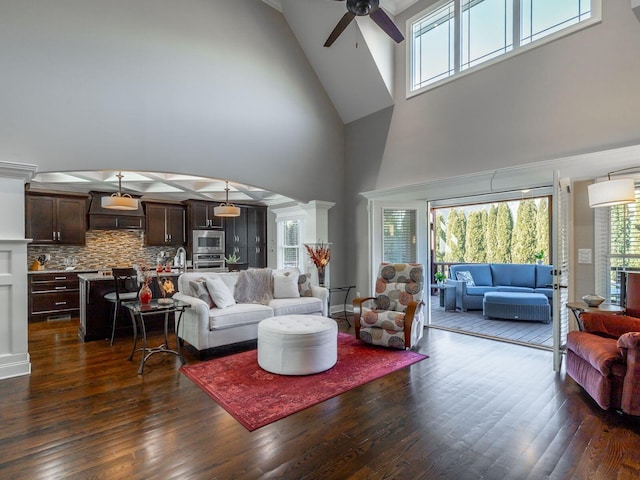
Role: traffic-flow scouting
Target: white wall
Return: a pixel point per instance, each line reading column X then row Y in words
column 217, row 88
column 577, row 94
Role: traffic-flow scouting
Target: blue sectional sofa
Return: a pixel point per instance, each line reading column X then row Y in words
column 497, row 277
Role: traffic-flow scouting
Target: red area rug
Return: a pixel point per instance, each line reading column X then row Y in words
column 256, row 398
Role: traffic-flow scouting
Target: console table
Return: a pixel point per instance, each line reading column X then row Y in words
column 138, row 312
column 346, row 289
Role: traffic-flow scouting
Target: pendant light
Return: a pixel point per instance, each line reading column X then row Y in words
column 617, row 191
column 226, row 209
column 119, row 200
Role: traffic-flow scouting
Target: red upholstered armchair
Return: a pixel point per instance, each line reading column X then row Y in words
column 605, row 360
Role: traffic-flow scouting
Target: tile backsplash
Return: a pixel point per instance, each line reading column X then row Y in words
column 104, row 249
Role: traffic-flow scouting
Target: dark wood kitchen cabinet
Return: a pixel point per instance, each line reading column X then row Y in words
column 257, row 236
column 200, row 215
column 165, row 224
column 53, row 296
column 235, row 235
column 56, row 219
column 246, row 235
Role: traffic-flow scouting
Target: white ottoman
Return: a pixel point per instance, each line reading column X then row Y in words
column 297, row 344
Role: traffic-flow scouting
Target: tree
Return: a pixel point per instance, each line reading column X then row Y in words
column 456, row 228
column 440, row 236
column 475, row 239
column 542, row 229
column 504, row 227
column 524, row 240
column 491, row 240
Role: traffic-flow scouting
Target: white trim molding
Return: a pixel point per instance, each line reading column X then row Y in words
column 22, row 171
column 14, row 347
column 585, row 166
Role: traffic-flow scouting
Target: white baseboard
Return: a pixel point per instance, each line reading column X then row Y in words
column 14, row 365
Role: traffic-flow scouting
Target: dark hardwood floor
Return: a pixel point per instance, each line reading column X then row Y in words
column 476, row 409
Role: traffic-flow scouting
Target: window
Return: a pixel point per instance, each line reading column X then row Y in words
column 290, row 247
column 617, row 234
column 457, row 35
column 399, row 236
column 485, row 31
column 433, row 46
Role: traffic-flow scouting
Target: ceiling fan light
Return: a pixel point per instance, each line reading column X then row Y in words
column 361, row 8
column 611, row 192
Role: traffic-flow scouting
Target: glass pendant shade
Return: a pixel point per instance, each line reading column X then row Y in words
column 611, row 192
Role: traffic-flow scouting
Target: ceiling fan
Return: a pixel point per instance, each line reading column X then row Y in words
column 362, row 8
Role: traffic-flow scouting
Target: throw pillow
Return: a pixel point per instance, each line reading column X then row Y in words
column 199, row 290
column 466, row 277
column 304, row 285
column 219, row 292
column 285, row 285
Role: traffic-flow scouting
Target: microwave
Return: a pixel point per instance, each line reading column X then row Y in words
column 208, row 241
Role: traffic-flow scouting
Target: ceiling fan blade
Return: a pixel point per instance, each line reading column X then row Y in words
column 386, row 24
column 342, row 24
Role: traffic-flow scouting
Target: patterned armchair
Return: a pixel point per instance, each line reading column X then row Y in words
column 394, row 317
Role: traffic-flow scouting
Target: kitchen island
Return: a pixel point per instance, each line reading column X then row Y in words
column 96, row 313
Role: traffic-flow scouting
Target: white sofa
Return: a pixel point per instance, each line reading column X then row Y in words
column 205, row 328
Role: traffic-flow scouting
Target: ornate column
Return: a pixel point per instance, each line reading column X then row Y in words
column 14, row 352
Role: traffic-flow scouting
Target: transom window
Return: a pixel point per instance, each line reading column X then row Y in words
column 454, row 36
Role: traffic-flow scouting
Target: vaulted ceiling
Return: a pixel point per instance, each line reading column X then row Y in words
column 357, row 70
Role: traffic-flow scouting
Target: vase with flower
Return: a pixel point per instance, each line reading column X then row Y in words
column 144, row 294
column 320, row 255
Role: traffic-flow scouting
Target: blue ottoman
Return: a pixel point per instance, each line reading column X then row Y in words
column 517, row 306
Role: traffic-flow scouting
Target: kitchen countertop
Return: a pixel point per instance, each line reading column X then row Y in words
column 93, row 275
column 39, row 272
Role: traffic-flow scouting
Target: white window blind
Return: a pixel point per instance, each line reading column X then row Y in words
column 399, row 235
column 617, row 245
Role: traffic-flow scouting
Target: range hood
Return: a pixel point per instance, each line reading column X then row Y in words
column 101, row 218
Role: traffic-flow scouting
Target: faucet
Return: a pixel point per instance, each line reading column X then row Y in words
column 182, row 258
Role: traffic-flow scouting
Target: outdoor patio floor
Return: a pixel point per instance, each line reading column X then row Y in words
column 473, row 322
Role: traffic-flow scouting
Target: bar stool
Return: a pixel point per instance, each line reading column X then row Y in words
column 126, row 288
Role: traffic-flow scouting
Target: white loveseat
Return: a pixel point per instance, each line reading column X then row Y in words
column 203, row 327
